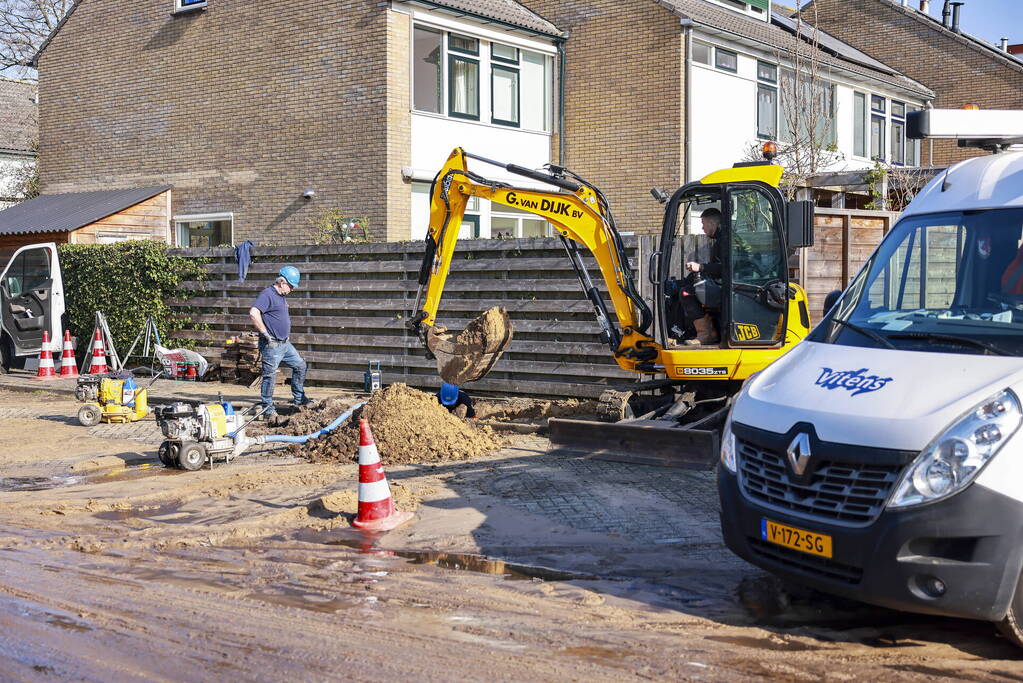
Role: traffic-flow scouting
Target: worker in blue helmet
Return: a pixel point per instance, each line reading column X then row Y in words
column 451, row 396
column 269, row 314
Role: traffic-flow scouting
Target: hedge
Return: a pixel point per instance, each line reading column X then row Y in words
column 128, row 281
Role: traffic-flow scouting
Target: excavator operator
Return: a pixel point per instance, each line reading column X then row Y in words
column 701, row 316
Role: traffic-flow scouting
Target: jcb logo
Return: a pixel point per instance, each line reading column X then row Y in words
column 744, row 332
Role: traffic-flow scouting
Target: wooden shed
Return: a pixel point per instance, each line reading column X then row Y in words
column 99, row 217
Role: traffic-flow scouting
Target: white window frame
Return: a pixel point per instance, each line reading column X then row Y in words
column 201, row 218
column 189, row 5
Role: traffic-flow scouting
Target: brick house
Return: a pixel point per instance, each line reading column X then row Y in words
column 960, row 68
column 242, row 107
column 698, row 83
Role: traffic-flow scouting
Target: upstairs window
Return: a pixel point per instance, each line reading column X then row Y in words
column 701, row 53
column 427, row 70
column 898, row 133
column 767, row 101
column 859, row 124
column 877, row 127
column 726, row 60
column 463, row 78
column 185, row 5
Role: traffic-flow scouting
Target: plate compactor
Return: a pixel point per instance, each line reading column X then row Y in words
column 114, row 398
column 199, row 433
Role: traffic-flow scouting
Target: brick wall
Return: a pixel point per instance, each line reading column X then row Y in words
column 240, row 107
column 958, row 72
column 624, row 124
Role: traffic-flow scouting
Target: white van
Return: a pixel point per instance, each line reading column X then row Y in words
column 882, row 458
column 31, row 301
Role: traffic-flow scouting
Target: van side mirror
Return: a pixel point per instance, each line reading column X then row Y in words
column 799, row 220
column 830, row 300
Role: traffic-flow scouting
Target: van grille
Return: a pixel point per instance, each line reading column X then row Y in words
column 848, row 494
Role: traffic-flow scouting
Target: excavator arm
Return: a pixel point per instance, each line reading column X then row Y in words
column 582, row 218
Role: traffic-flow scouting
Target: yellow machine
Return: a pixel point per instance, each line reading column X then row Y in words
column 688, row 389
column 110, row 400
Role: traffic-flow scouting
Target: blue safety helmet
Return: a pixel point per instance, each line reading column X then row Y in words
column 448, row 394
column 291, row 274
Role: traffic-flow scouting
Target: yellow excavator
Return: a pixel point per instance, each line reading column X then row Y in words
column 673, row 415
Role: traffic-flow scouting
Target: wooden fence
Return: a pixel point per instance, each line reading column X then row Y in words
column 355, row 300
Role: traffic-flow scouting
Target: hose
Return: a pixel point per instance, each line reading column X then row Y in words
column 287, row 438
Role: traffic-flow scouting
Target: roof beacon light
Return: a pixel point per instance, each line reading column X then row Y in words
column 769, row 150
column 992, row 129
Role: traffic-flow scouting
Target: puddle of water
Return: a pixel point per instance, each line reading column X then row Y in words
column 142, row 513
column 67, row 623
column 38, row 483
column 313, row 602
column 603, row 654
column 130, row 472
column 765, row 643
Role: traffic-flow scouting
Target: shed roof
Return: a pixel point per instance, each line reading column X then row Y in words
column 506, row 11
column 71, row 211
column 779, row 34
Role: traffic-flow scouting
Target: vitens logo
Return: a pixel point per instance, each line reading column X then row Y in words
column 856, row 381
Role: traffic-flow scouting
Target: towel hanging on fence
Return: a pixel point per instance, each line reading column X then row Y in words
column 243, row 253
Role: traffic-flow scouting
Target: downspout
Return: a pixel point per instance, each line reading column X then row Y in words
column 687, row 25
column 561, row 102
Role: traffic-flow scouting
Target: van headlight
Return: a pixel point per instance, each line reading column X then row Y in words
column 954, row 459
column 728, row 446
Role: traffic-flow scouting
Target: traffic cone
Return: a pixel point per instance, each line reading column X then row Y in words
column 376, row 507
column 99, row 356
column 46, row 370
column 68, row 367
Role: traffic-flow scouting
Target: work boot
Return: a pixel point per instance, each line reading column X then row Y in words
column 268, row 414
column 304, row 401
column 706, row 333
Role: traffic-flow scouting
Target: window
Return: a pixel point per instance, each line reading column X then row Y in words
column 504, row 53
column 428, row 70
column 536, row 91
column 767, row 101
column 807, row 102
column 912, row 146
column 185, row 5
column 463, row 44
column 859, row 124
column 701, row 53
column 877, row 127
column 726, row 60
column 509, row 222
column 463, row 87
column 504, row 85
column 31, row 270
column 898, row 133
column 205, row 231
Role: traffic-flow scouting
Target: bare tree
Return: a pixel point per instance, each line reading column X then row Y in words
column 807, row 143
column 24, row 25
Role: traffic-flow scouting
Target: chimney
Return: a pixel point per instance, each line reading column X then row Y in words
column 955, row 16
column 945, row 14
column 1005, row 45
column 925, row 6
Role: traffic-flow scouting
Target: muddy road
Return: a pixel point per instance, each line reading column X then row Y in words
column 519, row 566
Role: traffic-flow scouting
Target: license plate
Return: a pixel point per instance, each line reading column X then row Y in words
column 797, row 539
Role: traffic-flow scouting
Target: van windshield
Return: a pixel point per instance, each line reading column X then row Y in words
column 948, row 283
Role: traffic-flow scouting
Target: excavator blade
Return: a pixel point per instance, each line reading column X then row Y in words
column 645, row 442
column 475, row 351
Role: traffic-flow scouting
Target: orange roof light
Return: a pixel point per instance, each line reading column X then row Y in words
column 769, row 150
column 971, row 107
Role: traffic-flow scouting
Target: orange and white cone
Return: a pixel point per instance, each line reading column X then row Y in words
column 46, row 369
column 68, row 367
column 376, row 506
column 99, row 355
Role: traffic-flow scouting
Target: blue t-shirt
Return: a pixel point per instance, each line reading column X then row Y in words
column 274, row 308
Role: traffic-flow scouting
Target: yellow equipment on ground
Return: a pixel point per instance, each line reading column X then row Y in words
column 110, row 400
column 677, row 413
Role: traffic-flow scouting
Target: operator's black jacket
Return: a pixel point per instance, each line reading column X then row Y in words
column 714, row 268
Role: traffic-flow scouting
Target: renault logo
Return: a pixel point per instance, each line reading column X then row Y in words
column 799, row 453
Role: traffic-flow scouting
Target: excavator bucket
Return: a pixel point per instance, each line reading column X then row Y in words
column 473, row 353
column 644, row 442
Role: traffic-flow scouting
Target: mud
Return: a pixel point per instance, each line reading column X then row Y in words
column 471, row 354
column 409, row 426
column 531, row 409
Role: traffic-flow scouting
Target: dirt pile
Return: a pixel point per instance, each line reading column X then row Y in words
column 527, row 409
column 310, row 419
column 409, row 426
column 475, row 350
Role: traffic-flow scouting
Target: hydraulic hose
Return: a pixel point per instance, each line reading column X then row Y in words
column 287, row 438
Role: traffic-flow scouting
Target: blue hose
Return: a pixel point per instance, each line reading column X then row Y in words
column 286, row 438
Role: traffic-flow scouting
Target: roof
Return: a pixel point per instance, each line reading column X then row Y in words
column 978, row 183
column 19, row 118
column 68, row 212
column 778, row 35
column 505, row 11
column 989, row 49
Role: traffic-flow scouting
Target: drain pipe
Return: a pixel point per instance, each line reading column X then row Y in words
column 287, row 438
column 687, row 27
column 561, row 101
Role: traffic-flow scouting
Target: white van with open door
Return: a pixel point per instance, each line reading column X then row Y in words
column 882, row 458
column 31, row 301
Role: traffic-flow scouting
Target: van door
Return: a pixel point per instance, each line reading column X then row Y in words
column 31, row 299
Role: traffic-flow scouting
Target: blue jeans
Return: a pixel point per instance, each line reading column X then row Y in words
column 285, row 354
